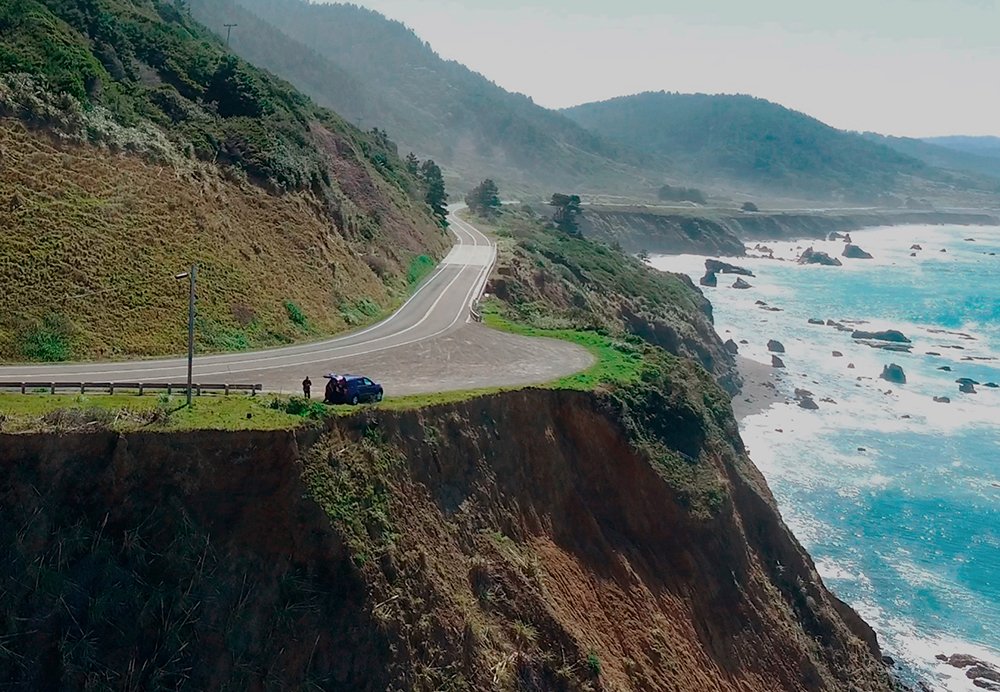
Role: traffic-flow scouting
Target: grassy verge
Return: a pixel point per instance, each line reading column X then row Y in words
column 130, row 413
column 619, row 360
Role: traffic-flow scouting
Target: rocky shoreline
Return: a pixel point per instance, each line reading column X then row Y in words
column 640, row 229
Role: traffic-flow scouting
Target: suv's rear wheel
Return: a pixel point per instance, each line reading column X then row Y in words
column 378, row 395
column 354, row 400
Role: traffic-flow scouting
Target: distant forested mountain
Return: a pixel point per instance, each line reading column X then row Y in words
column 378, row 73
column 953, row 159
column 980, row 146
column 749, row 140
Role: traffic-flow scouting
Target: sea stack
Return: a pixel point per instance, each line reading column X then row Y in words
column 893, row 373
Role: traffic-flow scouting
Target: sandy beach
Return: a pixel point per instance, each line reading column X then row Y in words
column 759, row 388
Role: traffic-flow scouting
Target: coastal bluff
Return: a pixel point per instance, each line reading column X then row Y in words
column 521, row 541
column 723, row 234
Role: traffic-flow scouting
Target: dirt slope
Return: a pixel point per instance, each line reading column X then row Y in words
column 528, row 540
column 91, row 241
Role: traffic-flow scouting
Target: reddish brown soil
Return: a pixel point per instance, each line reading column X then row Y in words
column 517, row 541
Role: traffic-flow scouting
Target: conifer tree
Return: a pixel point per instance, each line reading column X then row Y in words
column 484, row 199
column 436, row 197
column 567, row 209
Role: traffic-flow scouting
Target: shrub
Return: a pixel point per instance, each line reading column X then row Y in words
column 295, row 314
column 50, row 340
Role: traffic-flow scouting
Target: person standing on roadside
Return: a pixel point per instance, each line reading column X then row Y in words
column 307, row 387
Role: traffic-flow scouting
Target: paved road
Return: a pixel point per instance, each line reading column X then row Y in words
column 429, row 344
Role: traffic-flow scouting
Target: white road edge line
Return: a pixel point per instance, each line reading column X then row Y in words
column 473, row 292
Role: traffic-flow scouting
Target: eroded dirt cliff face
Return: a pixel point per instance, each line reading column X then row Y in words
column 528, row 540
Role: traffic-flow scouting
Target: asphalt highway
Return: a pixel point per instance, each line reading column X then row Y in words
column 429, row 344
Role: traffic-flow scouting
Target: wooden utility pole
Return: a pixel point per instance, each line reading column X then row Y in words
column 229, row 29
column 191, row 298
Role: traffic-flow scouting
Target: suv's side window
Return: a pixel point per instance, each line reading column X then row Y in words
column 367, row 382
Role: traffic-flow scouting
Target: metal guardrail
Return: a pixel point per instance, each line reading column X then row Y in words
column 141, row 387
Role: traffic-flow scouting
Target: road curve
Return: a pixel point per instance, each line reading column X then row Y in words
column 429, row 344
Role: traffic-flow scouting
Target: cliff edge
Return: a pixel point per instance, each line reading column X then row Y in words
column 526, row 540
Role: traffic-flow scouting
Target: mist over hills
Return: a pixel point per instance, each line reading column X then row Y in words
column 980, row 146
column 387, row 77
column 941, row 156
column 378, row 73
column 748, row 140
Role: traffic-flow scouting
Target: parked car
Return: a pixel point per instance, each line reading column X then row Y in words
column 351, row 389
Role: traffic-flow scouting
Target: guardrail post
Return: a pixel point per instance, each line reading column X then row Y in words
column 23, row 388
column 140, row 389
column 168, row 390
column 52, row 387
column 227, row 390
column 198, row 387
column 111, row 388
column 83, row 388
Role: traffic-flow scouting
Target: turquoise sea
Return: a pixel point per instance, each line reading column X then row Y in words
column 896, row 497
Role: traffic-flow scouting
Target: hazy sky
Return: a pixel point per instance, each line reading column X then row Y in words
column 902, row 67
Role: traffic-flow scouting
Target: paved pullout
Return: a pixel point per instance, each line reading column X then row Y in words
column 428, row 345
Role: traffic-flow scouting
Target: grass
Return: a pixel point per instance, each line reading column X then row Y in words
column 129, row 413
column 198, row 157
column 420, row 267
column 92, row 241
column 618, row 360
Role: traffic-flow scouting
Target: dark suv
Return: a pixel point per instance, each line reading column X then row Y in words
column 351, row 389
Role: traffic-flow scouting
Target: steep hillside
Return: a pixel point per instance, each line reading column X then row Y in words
column 524, row 541
column 751, row 142
column 133, row 145
column 438, row 108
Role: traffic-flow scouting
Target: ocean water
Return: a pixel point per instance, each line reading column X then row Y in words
column 896, row 497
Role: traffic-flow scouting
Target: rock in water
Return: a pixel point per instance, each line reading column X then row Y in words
column 777, row 362
column 837, row 354
column 810, row 256
column 740, row 283
column 731, row 347
column 915, row 247
column 854, row 252
column 776, row 346
column 942, row 400
column 967, row 388
column 816, row 320
column 893, row 373
column 887, row 335
column 717, row 267
column 807, row 402
column 709, row 280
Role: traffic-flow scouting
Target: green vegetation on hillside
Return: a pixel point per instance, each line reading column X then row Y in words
column 750, row 141
column 549, row 280
column 383, row 74
column 280, row 202
column 147, row 61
